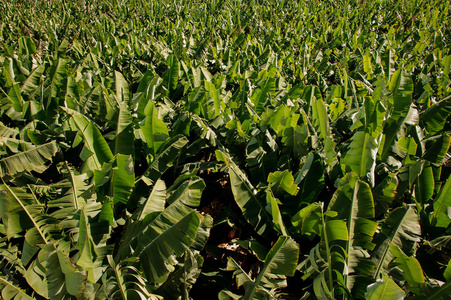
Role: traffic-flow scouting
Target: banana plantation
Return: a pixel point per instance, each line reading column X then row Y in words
column 225, row 149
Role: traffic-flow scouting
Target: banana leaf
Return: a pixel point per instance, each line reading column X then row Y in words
column 384, row 289
column 281, row 261
column 361, row 156
column 30, row 160
column 124, row 140
column 11, row 291
column 245, row 196
column 400, row 228
column 159, row 242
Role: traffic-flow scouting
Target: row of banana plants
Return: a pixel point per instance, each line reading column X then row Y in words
column 244, row 149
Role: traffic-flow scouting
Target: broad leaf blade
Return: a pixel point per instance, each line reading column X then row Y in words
column 361, row 157
column 11, row 291
column 401, row 85
column 280, row 261
column 440, row 217
column 413, row 273
column 171, row 76
column 124, row 140
column 155, row 130
column 384, row 289
column 401, row 228
column 95, row 143
column 435, row 116
column 253, row 210
column 18, row 210
column 156, row 200
column 31, row 83
column 123, row 178
column 165, row 159
column 122, row 90
column 63, row 276
column 161, row 241
column 31, row 160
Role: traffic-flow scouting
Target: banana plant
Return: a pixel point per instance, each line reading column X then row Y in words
column 321, row 262
column 129, row 132
column 281, row 261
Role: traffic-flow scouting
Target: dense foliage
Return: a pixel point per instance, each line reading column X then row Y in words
column 240, row 149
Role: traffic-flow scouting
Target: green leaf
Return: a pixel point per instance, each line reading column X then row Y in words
column 179, row 283
column 320, row 117
column 6, row 131
column 30, row 160
column 438, row 150
column 424, row 189
column 124, row 140
column 401, row 85
column 336, row 230
column 260, row 96
column 309, row 219
column 123, row 178
column 11, row 291
column 57, row 75
column 15, row 96
column 170, row 151
column 447, row 273
column 441, row 204
column 356, row 201
column 389, row 63
column 8, row 72
column 442, row 292
column 125, row 280
column 98, row 150
column 155, row 202
column 310, row 178
column 159, row 242
column 400, row 228
column 189, row 192
column 395, row 130
column 195, row 99
column 76, row 193
column 31, row 245
column 146, row 92
column 245, row 196
column 280, row 261
column 367, row 67
column 242, row 278
column 261, row 156
column 375, row 115
column 122, row 90
column 435, row 116
column 18, row 211
column 275, row 212
column 155, row 130
column 361, row 156
column 171, row 76
column 26, row 46
column 35, row 274
column 32, row 81
column 63, row 276
column 255, row 248
column 357, row 210
column 214, row 93
column 282, row 180
column 203, row 233
column 86, row 252
column 384, row 193
column 107, row 214
column 384, row 289
column 413, row 273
